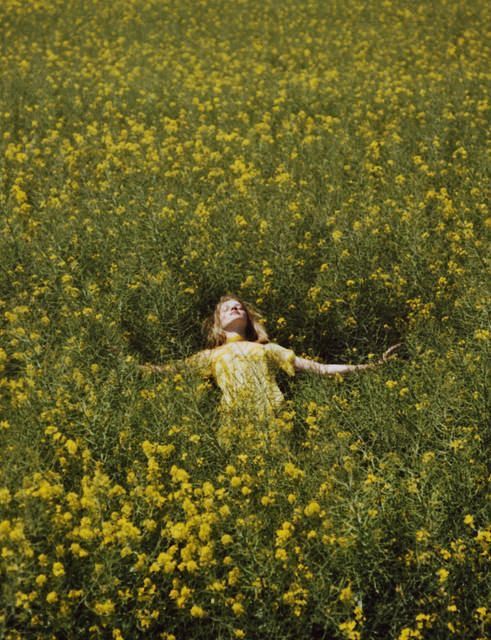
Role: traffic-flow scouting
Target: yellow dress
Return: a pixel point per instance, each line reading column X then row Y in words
column 245, row 373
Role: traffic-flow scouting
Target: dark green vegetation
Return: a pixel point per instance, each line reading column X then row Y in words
column 326, row 161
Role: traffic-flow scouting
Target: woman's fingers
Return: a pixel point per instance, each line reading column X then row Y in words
column 146, row 368
column 387, row 354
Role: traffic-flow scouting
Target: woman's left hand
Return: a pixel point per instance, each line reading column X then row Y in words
column 387, row 355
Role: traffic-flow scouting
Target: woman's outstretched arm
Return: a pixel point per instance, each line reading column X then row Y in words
column 156, row 368
column 302, row 364
column 199, row 361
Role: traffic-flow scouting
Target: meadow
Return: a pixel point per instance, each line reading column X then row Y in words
column 326, row 161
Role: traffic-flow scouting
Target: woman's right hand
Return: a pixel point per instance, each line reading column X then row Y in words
column 149, row 368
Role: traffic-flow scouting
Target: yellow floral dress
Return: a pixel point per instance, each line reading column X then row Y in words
column 245, row 373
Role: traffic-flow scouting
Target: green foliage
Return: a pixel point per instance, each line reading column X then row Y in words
column 324, row 161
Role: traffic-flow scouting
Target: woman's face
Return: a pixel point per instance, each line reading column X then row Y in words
column 233, row 316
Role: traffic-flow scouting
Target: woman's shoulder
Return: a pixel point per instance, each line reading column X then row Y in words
column 274, row 346
column 200, row 359
column 281, row 356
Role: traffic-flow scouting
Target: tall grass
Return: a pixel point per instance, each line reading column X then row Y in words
column 326, row 161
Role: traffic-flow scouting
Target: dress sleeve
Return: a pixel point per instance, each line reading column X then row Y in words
column 200, row 363
column 281, row 357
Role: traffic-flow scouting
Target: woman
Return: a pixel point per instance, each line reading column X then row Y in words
column 243, row 363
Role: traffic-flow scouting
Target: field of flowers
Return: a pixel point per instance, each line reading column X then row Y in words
column 325, row 160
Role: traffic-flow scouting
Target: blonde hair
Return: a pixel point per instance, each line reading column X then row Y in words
column 255, row 331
